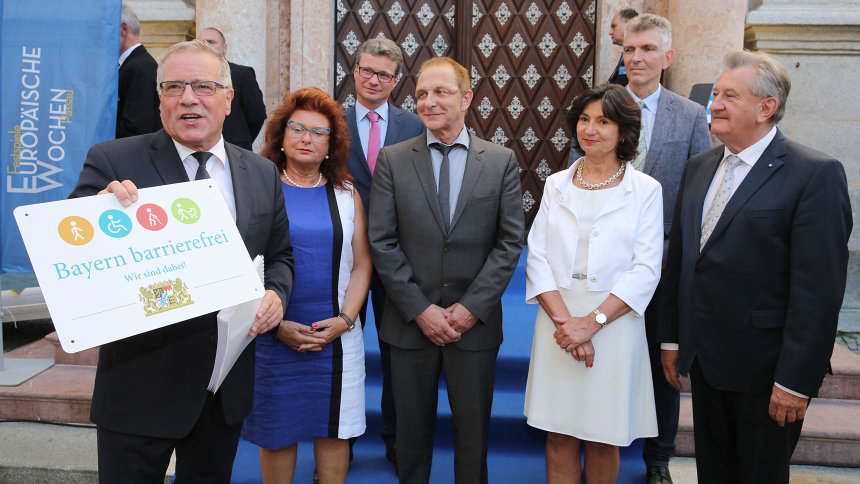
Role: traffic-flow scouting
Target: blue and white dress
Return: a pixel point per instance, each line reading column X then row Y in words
column 317, row 394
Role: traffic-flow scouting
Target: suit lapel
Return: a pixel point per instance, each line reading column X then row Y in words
column 355, row 141
column 424, row 168
column 474, row 165
column 166, row 160
column 241, row 181
column 662, row 121
column 392, row 133
column 766, row 166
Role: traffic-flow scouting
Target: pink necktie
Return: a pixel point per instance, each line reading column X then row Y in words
column 373, row 141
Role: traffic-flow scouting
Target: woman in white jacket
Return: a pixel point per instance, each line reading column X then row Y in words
column 595, row 250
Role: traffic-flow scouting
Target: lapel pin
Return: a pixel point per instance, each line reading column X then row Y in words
column 770, row 165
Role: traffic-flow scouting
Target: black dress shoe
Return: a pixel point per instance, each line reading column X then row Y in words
column 659, row 475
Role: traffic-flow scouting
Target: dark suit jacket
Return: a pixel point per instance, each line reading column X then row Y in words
column 619, row 75
column 247, row 111
column 760, row 303
column 402, row 125
column 155, row 383
column 419, row 263
column 137, row 109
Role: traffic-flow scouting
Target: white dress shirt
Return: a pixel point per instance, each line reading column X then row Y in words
column 218, row 167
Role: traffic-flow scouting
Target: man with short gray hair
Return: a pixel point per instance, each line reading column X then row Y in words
column 137, row 103
column 754, row 278
column 150, row 395
column 673, row 130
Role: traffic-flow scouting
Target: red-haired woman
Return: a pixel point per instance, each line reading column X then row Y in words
column 310, row 377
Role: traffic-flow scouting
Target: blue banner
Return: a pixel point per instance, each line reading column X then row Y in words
column 58, row 97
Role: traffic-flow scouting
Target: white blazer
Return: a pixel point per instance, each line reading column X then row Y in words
column 625, row 248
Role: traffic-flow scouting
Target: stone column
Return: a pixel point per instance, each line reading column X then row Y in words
column 819, row 44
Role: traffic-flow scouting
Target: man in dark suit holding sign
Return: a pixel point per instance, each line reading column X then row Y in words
column 754, row 278
column 446, row 231
column 150, row 393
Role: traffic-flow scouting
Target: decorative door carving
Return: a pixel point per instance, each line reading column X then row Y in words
column 527, row 58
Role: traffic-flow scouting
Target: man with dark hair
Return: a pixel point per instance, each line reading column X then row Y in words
column 616, row 33
column 754, row 278
column 248, row 111
column 150, row 395
column 673, row 130
column 446, row 231
column 137, row 104
column 373, row 123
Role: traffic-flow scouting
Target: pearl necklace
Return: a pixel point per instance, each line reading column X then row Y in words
column 602, row 184
column 319, row 179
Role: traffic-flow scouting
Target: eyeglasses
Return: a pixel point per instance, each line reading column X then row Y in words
column 296, row 130
column 200, row 88
column 368, row 73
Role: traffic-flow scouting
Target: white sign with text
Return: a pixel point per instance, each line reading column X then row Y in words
column 109, row 272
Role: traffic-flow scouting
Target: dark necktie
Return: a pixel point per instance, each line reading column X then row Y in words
column 202, row 157
column 444, row 188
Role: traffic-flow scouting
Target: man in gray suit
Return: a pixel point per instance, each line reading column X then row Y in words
column 446, row 230
column 673, row 130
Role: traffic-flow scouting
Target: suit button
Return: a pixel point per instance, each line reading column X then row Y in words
column 698, row 270
column 593, row 279
column 213, row 339
column 595, row 233
column 446, row 249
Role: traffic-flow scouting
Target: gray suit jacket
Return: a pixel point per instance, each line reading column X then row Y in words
column 420, row 264
column 680, row 132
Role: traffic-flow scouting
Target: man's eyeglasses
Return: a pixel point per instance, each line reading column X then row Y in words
column 200, row 88
column 296, row 130
column 383, row 77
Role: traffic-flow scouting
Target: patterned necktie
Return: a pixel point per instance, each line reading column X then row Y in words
column 373, row 141
column 639, row 161
column 724, row 192
column 444, row 188
column 202, row 157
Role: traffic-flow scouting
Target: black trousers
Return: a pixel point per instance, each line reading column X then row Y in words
column 469, row 377
column 656, row 451
column 204, row 456
column 736, row 440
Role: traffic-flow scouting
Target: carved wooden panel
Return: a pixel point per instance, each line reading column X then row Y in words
column 527, row 58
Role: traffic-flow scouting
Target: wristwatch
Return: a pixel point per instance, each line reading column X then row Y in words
column 351, row 324
column 599, row 317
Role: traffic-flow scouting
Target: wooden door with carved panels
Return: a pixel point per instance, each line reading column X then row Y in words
column 527, row 58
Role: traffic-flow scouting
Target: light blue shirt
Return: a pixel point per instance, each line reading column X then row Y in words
column 649, row 111
column 457, row 159
column 364, row 124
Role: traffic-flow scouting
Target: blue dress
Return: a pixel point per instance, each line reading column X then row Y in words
column 317, row 394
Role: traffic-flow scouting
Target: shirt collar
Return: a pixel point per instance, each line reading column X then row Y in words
column 463, row 138
column 361, row 111
column 124, row 55
column 753, row 152
column 218, row 151
column 651, row 101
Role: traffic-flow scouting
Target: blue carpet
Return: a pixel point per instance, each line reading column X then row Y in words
column 516, row 451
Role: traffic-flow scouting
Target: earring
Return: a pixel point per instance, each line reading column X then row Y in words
column 326, row 156
column 282, row 148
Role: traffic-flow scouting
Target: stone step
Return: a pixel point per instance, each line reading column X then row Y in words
column 843, row 384
column 830, row 434
column 61, row 393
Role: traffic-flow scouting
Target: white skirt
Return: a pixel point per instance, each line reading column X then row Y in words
column 611, row 402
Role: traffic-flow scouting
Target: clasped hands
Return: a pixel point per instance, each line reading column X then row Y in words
column 304, row 338
column 445, row 325
column 573, row 334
